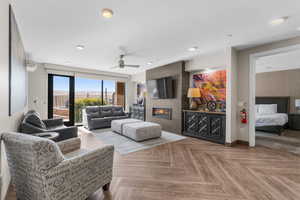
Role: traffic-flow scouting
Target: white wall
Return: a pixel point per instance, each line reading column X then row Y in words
column 231, row 96
column 6, row 123
column 139, row 77
column 243, row 58
column 222, row 59
column 216, row 59
column 38, row 84
column 135, row 79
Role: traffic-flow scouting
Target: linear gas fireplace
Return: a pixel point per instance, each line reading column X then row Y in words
column 164, row 113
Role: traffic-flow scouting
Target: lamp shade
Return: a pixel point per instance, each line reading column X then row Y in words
column 194, row 93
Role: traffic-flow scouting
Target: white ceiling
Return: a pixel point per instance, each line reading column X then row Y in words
column 160, row 31
column 279, row 62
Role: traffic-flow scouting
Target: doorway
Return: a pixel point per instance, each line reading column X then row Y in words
column 61, row 98
column 273, row 98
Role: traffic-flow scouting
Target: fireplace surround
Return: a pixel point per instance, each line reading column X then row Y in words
column 163, row 113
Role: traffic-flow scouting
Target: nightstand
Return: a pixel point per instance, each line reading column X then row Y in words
column 294, row 121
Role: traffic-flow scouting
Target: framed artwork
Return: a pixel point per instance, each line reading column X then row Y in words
column 212, row 85
column 141, row 91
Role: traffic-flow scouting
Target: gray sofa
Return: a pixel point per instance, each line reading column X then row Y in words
column 96, row 117
column 32, row 124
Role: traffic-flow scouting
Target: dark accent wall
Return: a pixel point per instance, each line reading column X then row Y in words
column 177, row 71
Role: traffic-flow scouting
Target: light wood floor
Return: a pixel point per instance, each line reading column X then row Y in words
column 192, row 169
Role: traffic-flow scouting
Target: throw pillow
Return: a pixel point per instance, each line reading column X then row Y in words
column 35, row 120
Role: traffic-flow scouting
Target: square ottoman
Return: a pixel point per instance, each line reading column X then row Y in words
column 141, row 131
column 117, row 125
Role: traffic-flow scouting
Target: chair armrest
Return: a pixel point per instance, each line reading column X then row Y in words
column 66, row 132
column 30, row 129
column 90, row 171
column 54, row 122
column 69, row 145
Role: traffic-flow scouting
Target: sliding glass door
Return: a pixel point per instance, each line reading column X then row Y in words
column 61, row 98
column 68, row 96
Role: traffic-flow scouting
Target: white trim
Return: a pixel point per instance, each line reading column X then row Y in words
column 252, row 85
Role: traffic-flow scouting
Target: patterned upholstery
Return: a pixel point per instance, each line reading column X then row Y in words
column 41, row 172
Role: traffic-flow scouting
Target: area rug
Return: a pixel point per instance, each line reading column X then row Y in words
column 125, row 145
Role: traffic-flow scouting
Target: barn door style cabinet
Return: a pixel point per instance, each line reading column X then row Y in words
column 209, row 126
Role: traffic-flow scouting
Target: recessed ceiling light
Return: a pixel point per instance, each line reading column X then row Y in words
column 149, row 63
column 278, row 21
column 79, row 47
column 298, row 28
column 107, row 13
column 193, row 49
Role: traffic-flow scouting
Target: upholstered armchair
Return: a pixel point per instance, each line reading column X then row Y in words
column 40, row 170
column 32, row 124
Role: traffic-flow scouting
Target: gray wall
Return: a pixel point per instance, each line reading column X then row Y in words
column 7, row 123
column 279, row 83
column 177, row 104
column 243, row 59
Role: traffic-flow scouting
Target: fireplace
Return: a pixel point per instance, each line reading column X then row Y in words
column 164, row 113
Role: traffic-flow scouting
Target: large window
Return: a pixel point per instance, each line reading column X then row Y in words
column 109, row 92
column 92, row 92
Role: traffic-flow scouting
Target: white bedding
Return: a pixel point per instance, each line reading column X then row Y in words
column 276, row 119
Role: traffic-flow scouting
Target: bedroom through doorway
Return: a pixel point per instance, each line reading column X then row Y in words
column 277, row 100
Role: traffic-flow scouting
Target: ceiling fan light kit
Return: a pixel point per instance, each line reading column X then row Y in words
column 122, row 64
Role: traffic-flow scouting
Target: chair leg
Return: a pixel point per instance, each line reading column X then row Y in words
column 106, row 187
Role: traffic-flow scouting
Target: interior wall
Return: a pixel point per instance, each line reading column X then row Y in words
column 177, row 104
column 7, row 123
column 243, row 57
column 135, row 79
column 38, row 84
column 279, row 83
column 232, row 99
column 217, row 59
column 223, row 59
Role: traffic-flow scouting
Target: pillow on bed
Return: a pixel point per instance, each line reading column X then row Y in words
column 267, row 109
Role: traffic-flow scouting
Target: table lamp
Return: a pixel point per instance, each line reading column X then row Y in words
column 193, row 93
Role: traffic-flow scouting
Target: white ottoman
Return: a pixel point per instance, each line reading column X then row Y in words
column 141, row 131
column 117, row 125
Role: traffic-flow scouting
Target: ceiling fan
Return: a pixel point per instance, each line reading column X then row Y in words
column 122, row 64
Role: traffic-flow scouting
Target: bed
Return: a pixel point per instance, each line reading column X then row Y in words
column 274, row 121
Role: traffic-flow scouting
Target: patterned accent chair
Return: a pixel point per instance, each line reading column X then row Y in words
column 40, row 170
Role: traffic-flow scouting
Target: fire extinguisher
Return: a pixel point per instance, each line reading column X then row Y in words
column 244, row 116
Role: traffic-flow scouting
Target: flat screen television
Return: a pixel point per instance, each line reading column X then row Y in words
column 162, row 88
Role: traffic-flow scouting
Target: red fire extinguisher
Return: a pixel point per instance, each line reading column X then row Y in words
column 244, row 116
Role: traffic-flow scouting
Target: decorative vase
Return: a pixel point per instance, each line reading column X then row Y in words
column 193, row 105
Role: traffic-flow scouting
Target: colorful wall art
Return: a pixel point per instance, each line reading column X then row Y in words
column 212, row 86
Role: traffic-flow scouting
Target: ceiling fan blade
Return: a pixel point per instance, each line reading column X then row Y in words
column 114, row 67
column 135, row 66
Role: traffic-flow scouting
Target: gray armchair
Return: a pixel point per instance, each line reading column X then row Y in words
column 32, row 124
column 40, row 171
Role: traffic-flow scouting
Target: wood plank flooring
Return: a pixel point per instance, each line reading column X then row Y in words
column 192, row 169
